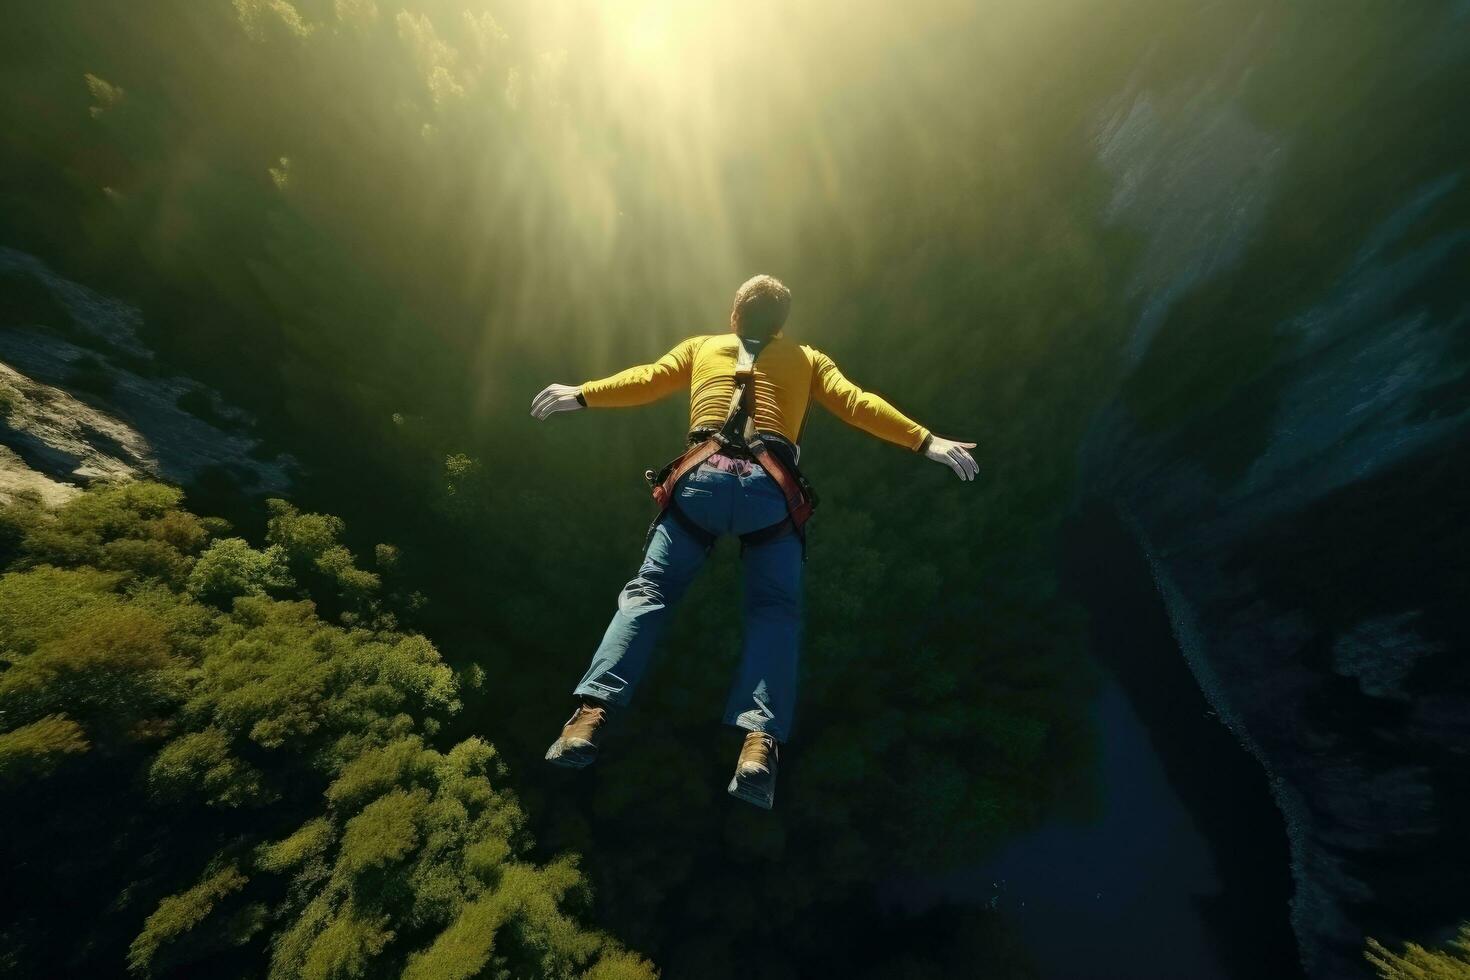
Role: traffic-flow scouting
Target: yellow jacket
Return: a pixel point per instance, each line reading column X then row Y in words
column 788, row 378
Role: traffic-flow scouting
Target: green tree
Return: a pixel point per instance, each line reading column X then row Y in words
column 1450, row 962
column 229, row 568
column 234, row 782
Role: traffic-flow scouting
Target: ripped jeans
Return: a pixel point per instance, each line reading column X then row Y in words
column 723, row 496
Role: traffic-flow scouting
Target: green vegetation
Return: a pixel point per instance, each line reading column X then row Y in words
column 1452, row 962
column 203, row 773
column 381, row 228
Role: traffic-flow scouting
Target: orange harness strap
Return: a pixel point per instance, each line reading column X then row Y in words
column 663, row 493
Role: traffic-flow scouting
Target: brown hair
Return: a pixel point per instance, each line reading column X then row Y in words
column 761, row 306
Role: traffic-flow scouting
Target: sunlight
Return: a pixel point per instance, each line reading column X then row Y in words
column 685, row 145
column 649, row 36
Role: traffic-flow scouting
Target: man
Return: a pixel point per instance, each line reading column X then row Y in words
column 737, row 487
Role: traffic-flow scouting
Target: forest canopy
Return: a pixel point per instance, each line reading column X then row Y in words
column 381, row 229
column 201, row 772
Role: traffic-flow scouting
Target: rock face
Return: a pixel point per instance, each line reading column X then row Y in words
column 81, row 399
column 1306, row 520
column 51, row 436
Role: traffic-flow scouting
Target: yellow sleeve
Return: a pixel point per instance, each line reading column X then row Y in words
column 645, row 383
column 859, row 408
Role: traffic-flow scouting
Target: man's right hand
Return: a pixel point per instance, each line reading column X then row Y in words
column 953, row 454
column 555, row 398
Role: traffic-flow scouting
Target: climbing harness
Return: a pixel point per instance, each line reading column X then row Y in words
column 739, row 438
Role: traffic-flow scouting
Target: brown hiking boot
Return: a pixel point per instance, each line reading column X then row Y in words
column 755, row 771
column 577, row 746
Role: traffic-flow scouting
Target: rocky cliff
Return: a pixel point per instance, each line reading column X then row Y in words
column 1289, row 445
column 82, row 399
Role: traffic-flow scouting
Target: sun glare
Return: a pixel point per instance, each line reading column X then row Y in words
column 698, row 137
column 649, row 37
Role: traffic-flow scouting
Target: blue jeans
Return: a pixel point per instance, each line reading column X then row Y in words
column 722, row 501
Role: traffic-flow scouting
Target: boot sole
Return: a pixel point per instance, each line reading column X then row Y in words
column 571, row 756
column 750, row 794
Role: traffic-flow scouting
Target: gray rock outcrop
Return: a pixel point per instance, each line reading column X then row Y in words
column 81, row 398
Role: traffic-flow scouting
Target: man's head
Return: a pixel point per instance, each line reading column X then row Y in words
column 761, row 306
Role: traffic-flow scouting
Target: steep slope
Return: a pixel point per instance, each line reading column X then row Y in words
column 1289, row 448
column 82, row 400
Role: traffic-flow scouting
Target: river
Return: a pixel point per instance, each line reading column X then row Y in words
column 1184, row 871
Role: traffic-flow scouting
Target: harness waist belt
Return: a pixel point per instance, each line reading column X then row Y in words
column 739, row 438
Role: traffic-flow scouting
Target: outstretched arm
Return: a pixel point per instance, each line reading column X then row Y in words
column 636, row 386
column 873, row 414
